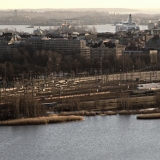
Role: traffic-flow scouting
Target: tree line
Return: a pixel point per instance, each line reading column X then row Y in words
column 23, row 60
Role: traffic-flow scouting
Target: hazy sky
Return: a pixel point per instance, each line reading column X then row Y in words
column 19, row 4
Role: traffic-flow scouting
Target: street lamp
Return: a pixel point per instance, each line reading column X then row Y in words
column 98, row 88
column 133, row 68
column 120, row 85
column 57, row 68
column 30, row 75
column 5, row 71
column 32, row 86
column 5, row 77
column 95, row 71
column 101, row 67
column 127, row 75
column 60, row 90
column 120, row 73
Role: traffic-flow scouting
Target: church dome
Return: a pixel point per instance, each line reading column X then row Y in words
column 38, row 31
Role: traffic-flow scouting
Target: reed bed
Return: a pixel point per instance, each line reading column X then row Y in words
column 129, row 112
column 125, row 112
column 110, row 113
column 57, row 119
column 88, row 113
column 99, row 112
column 41, row 120
column 79, row 113
column 121, row 112
column 149, row 116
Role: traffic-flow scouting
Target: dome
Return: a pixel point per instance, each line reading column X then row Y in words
column 38, row 31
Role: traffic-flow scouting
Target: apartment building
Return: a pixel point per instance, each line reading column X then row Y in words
column 100, row 50
column 153, row 43
column 8, row 41
column 67, row 46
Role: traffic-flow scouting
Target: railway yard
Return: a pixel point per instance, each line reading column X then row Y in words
column 103, row 92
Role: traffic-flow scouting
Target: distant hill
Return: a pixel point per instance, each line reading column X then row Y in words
column 85, row 9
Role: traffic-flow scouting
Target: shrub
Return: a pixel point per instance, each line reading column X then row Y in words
column 23, row 106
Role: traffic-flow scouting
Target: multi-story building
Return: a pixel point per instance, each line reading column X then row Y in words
column 155, row 31
column 8, row 41
column 85, row 52
column 100, row 50
column 133, row 52
column 153, row 56
column 151, row 25
column 153, row 43
column 67, row 46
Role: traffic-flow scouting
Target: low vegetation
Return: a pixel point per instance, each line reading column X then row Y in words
column 41, row 120
column 157, row 98
column 110, row 113
column 123, row 101
column 78, row 113
column 149, row 116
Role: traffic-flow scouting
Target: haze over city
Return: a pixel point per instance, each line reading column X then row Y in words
column 34, row 4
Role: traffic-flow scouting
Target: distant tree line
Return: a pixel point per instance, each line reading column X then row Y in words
column 24, row 61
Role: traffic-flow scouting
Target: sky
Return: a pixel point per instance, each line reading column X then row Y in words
column 35, row 4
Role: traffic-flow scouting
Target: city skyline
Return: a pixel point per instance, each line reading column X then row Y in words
column 52, row 4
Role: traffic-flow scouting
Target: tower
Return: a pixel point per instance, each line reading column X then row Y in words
column 130, row 19
column 15, row 13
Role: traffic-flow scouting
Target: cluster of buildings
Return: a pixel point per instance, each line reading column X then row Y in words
column 89, row 45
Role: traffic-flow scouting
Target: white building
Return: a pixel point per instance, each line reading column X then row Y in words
column 126, row 26
column 151, row 25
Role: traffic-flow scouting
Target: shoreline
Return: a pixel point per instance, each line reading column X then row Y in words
column 149, row 116
column 79, row 116
column 41, row 120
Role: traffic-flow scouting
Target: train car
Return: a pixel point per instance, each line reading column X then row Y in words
column 149, row 86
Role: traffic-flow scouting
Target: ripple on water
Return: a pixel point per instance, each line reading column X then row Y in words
column 96, row 138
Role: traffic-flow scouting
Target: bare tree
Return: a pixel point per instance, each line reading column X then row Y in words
column 124, row 101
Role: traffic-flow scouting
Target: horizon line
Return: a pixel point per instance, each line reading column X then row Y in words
column 82, row 8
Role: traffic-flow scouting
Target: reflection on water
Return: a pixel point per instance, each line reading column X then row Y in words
column 96, row 138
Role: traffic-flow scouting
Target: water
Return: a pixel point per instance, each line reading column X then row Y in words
column 100, row 28
column 23, row 28
column 96, row 138
column 111, row 28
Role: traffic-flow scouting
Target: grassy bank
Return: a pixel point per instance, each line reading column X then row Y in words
column 149, row 116
column 41, row 120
